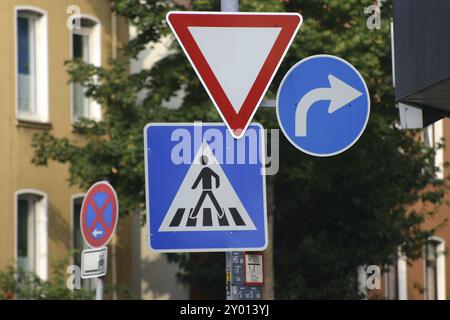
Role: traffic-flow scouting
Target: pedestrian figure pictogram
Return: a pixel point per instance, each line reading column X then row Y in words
column 205, row 177
column 214, row 203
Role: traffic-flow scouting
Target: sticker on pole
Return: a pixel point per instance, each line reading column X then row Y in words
column 323, row 105
column 94, row 263
column 99, row 214
column 253, row 269
column 236, row 56
column 214, row 197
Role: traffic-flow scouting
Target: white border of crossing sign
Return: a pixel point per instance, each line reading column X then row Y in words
column 147, row 189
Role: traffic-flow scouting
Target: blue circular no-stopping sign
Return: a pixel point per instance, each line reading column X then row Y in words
column 323, row 105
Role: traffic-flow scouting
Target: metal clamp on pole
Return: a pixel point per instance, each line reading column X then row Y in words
column 229, row 5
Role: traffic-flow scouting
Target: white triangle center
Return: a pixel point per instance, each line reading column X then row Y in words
column 236, row 56
column 206, row 200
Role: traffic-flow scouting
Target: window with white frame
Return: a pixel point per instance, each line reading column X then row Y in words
column 26, row 233
column 433, row 136
column 391, row 280
column 78, row 242
column 31, row 233
column 396, row 287
column 86, row 47
column 435, row 286
column 32, row 65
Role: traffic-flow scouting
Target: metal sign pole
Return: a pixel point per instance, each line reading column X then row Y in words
column 99, row 289
column 228, row 271
column 229, row 6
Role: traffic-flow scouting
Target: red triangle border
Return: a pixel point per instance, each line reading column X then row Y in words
column 290, row 24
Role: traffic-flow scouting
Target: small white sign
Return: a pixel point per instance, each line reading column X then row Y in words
column 94, row 263
column 254, row 275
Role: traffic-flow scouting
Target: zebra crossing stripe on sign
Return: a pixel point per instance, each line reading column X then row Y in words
column 206, row 200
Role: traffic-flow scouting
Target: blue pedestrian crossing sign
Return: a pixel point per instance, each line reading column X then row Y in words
column 323, row 105
column 205, row 190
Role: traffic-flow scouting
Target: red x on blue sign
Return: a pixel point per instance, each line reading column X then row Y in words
column 99, row 214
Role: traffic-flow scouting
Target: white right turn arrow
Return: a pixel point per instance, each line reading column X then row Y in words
column 339, row 93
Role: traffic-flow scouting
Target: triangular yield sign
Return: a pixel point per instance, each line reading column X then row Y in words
column 214, row 208
column 236, row 56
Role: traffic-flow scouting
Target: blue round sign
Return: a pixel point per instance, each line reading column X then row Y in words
column 323, row 105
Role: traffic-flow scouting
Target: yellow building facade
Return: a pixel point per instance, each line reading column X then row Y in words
column 39, row 211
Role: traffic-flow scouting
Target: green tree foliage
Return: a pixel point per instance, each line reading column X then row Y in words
column 20, row 284
column 332, row 214
column 16, row 283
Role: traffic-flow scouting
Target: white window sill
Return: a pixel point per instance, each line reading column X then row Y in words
column 33, row 124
